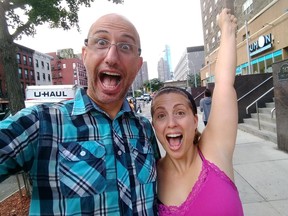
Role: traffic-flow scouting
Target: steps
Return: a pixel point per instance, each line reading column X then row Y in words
column 267, row 129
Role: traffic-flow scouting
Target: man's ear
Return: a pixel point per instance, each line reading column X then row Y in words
column 84, row 53
column 140, row 62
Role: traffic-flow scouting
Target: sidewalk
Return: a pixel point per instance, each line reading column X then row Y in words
column 261, row 174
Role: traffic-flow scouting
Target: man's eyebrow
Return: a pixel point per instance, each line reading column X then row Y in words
column 129, row 36
column 123, row 35
column 100, row 31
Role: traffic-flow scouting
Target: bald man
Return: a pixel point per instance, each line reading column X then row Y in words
column 91, row 155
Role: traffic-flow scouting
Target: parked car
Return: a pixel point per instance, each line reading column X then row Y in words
column 147, row 97
column 139, row 97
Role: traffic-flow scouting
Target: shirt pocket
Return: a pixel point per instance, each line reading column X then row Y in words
column 144, row 160
column 82, row 168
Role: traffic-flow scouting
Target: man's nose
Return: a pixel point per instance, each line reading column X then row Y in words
column 112, row 55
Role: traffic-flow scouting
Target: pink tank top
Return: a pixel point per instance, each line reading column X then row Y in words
column 213, row 194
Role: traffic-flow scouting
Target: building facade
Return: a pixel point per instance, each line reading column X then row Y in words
column 42, row 66
column 190, row 63
column 67, row 68
column 261, row 37
column 141, row 78
column 25, row 69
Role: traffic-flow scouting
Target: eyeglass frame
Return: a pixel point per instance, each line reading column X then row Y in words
column 111, row 44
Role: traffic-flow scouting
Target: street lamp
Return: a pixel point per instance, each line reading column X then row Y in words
column 247, row 47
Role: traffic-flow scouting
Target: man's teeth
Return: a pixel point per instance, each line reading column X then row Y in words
column 111, row 74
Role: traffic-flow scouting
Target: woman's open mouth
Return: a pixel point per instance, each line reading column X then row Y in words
column 174, row 140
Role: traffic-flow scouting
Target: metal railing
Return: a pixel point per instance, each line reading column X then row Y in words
column 255, row 88
column 199, row 95
column 272, row 112
column 256, row 102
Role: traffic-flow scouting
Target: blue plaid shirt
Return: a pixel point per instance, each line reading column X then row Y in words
column 81, row 162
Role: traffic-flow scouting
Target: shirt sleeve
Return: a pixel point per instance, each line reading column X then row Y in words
column 17, row 134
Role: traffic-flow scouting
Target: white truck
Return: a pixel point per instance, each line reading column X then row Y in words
column 49, row 94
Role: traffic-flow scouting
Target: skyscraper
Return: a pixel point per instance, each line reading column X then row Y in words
column 165, row 71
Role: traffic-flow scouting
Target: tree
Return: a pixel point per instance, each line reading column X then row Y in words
column 191, row 80
column 153, row 85
column 57, row 13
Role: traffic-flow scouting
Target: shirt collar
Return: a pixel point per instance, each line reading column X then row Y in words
column 83, row 104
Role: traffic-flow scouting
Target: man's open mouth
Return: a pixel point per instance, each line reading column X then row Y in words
column 110, row 80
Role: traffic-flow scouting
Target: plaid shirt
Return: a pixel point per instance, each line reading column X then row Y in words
column 81, row 162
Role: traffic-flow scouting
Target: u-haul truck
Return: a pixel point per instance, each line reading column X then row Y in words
column 49, row 94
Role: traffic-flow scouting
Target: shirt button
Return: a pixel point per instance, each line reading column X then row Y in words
column 119, row 152
column 82, row 153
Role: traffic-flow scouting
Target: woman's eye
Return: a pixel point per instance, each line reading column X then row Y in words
column 160, row 116
column 180, row 113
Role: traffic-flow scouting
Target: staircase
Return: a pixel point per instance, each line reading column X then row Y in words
column 267, row 129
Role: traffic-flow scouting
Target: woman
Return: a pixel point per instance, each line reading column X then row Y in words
column 195, row 177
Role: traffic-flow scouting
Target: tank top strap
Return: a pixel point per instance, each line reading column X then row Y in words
column 201, row 155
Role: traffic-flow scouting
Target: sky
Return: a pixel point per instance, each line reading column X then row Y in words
column 177, row 24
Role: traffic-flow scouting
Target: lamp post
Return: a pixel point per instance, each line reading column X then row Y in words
column 247, row 46
column 133, row 90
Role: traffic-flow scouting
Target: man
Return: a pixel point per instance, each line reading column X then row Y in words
column 91, row 155
column 205, row 105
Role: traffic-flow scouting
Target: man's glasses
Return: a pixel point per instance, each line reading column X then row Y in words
column 103, row 45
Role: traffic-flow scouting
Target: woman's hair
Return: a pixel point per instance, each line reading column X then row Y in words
column 177, row 90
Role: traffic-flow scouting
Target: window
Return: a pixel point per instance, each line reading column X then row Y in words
column 42, row 64
column 218, row 34
column 74, row 65
column 44, row 76
column 64, row 65
column 37, row 63
column 262, row 66
column 49, row 77
column 277, row 58
column 30, row 61
column 32, row 74
column 18, row 58
column 247, row 7
column 24, row 60
column 26, row 74
column 48, row 66
column 38, row 76
column 255, row 66
column 20, row 73
column 213, row 40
